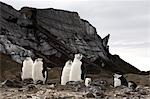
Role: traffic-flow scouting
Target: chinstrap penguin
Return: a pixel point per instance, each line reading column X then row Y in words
column 87, row 82
column 119, row 80
column 39, row 72
column 27, row 68
column 132, row 85
column 66, row 72
column 75, row 72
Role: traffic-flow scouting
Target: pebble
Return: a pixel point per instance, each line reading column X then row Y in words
column 32, row 91
column 89, row 95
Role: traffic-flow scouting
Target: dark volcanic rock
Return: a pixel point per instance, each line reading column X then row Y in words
column 27, row 81
column 89, row 95
column 55, row 35
column 12, row 84
column 102, row 84
column 32, row 88
column 7, row 83
column 75, row 85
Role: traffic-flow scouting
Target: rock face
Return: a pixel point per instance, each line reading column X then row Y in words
column 9, row 69
column 55, row 35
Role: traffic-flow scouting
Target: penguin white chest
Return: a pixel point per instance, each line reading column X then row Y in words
column 129, row 84
column 117, row 82
column 66, row 72
column 27, row 68
column 87, row 82
column 75, row 73
column 37, row 71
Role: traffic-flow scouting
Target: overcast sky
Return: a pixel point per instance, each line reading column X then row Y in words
column 127, row 22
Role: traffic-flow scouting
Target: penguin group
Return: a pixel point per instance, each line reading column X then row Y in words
column 37, row 72
column 34, row 70
column 70, row 72
column 119, row 80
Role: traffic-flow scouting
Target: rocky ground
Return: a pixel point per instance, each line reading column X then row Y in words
column 43, row 33
column 101, row 89
column 53, row 90
column 50, row 92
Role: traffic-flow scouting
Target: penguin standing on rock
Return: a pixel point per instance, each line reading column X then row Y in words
column 87, row 82
column 45, row 73
column 119, row 80
column 39, row 72
column 66, row 72
column 27, row 68
column 75, row 72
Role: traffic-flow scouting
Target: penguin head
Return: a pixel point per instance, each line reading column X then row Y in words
column 78, row 56
column 39, row 59
column 28, row 58
column 69, row 62
column 117, row 75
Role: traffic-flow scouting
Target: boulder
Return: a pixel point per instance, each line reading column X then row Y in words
column 12, row 84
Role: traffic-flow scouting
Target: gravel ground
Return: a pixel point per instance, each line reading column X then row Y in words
column 62, row 92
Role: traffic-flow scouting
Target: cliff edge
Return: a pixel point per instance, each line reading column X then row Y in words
column 56, row 35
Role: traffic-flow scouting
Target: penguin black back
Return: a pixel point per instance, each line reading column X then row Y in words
column 132, row 84
column 123, row 81
column 83, row 71
column 45, row 71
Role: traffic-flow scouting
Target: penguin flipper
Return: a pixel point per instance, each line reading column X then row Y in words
column 45, row 78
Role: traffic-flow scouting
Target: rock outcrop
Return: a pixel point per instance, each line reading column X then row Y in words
column 55, row 35
column 9, row 69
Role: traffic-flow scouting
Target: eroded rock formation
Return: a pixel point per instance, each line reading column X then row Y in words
column 55, row 35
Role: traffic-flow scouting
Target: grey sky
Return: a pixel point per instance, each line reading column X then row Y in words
column 127, row 21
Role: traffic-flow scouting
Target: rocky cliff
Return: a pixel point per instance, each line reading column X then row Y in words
column 55, row 35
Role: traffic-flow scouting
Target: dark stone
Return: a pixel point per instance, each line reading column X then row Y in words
column 105, row 42
column 20, row 90
column 32, row 88
column 39, row 82
column 143, row 92
column 7, row 83
column 99, row 83
column 49, row 83
column 75, row 85
column 94, row 89
column 29, row 96
column 12, row 84
column 90, row 95
column 47, row 98
column 102, row 84
column 28, row 81
column 100, row 94
column 17, row 84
